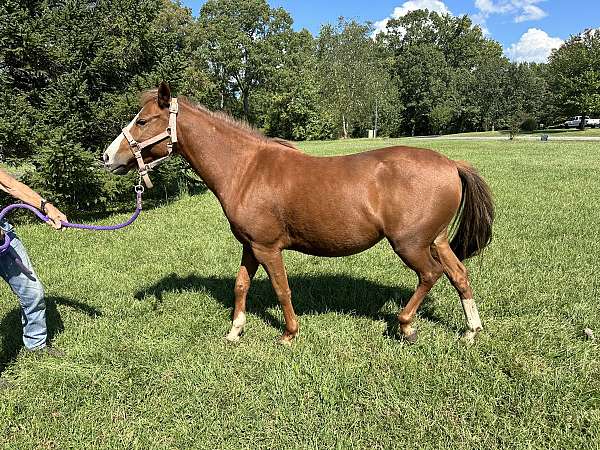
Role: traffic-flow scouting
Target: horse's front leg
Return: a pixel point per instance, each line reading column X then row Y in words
column 248, row 268
column 272, row 261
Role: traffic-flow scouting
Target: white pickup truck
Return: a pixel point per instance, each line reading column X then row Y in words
column 574, row 122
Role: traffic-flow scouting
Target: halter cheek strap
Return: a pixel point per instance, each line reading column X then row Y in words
column 136, row 147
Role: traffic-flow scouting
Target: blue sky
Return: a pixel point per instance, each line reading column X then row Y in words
column 527, row 29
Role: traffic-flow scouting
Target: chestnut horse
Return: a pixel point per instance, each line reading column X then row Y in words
column 277, row 198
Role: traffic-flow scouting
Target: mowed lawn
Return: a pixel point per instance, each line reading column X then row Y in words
column 553, row 133
column 141, row 314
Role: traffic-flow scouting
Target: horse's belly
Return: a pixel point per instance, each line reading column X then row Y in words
column 335, row 242
column 332, row 251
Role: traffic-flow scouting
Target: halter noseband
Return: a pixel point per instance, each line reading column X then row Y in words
column 136, row 147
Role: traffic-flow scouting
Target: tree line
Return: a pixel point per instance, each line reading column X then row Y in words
column 71, row 71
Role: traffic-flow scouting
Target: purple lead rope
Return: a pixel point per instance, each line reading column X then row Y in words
column 138, row 208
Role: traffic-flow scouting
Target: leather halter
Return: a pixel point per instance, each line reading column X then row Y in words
column 136, row 147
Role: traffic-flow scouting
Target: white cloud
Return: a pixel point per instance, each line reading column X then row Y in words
column 534, row 45
column 489, row 7
column 531, row 12
column 484, row 5
column 522, row 10
column 411, row 5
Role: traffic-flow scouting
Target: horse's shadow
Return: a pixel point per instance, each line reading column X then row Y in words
column 11, row 330
column 310, row 295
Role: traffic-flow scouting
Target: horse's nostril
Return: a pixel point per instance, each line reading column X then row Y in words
column 105, row 158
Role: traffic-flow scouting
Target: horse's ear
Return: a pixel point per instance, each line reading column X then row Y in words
column 164, row 95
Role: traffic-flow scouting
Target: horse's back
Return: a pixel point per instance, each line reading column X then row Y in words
column 340, row 205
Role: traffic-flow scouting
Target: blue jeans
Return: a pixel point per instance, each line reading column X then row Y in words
column 28, row 289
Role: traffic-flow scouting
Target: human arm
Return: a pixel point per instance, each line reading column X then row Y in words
column 24, row 193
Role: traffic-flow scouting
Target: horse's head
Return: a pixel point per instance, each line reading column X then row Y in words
column 150, row 135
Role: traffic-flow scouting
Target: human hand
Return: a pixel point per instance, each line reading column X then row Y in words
column 54, row 216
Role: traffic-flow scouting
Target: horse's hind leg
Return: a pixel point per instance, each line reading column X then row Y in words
column 248, row 268
column 458, row 276
column 429, row 271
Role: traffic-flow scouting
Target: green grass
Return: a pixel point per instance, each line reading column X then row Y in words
column 141, row 314
column 556, row 132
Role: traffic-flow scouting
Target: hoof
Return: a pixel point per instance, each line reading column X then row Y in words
column 231, row 339
column 233, row 336
column 285, row 342
column 411, row 338
column 469, row 336
column 286, row 339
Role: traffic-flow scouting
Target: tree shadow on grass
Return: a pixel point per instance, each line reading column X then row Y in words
column 11, row 330
column 310, row 295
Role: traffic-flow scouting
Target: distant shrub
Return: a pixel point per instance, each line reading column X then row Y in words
column 440, row 117
column 68, row 175
column 320, row 127
column 529, row 124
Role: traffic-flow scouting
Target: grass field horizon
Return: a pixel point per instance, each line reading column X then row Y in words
column 551, row 132
column 141, row 314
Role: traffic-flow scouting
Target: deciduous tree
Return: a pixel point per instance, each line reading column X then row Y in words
column 574, row 75
column 242, row 43
column 350, row 74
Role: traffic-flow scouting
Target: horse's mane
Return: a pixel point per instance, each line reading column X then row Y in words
column 152, row 94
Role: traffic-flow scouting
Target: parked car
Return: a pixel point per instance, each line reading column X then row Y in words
column 575, row 121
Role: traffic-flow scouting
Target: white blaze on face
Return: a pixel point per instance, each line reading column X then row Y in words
column 113, row 148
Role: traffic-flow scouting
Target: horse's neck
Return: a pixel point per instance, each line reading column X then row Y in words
column 219, row 152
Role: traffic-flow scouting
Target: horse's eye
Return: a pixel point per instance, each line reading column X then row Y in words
column 141, row 122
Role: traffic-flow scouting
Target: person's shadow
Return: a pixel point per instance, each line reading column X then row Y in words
column 310, row 295
column 11, row 330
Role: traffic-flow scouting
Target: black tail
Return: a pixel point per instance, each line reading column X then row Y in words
column 476, row 214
